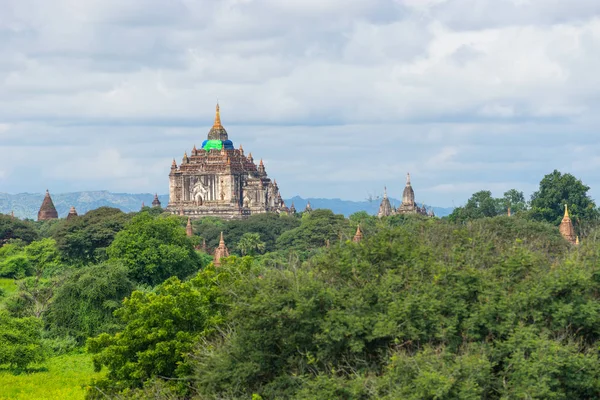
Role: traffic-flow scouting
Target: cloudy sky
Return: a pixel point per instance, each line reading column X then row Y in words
column 339, row 97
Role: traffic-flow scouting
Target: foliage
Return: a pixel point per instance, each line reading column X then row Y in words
column 84, row 239
column 161, row 327
column 315, row 230
column 556, row 190
column 250, row 244
column 84, row 303
column 20, row 341
column 424, row 310
column 33, row 297
column 154, row 249
column 269, row 226
column 13, row 228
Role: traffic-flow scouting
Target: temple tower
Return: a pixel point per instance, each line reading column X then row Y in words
column 566, row 228
column 385, row 208
column 221, row 181
column 189, row 230
column 47, row 210
column 220, row 252
column 408, row 205
column 308, row 207
column 358, row 236
column 156, row 201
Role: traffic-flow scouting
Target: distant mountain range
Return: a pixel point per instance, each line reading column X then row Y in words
column 26, row 205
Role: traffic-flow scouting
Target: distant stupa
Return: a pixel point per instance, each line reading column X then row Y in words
column 47, row 210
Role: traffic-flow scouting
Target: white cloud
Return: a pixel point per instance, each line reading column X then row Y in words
column 340, row 97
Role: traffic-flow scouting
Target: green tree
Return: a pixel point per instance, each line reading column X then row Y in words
column 13, row 228
column 250, row 244
column 556, row 190
column 20, row 341
column 480, row 205
column 515, row 200
column 160, row 328
column 316, row 228
column 84, row 303
column 83, row 240
column 154, row 249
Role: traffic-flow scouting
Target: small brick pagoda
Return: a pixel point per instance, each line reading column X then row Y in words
column 221, row 181
column 47, row 210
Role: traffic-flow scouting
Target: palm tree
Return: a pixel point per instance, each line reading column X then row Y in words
column 250, row 244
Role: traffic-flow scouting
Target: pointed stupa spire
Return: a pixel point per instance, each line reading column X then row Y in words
column 217, row 123
column 189, row 230
column 47, row 210
column 408, row 179
column 173, row 164
column 220, row 251
column 358, row 235
column 577, row 240
column 156, row 201
column 385, row 208
column 308, row 207
column 566, row 227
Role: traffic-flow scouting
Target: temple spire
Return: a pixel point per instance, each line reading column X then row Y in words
column 189, row 230
column 217, row 123
column 358, row 235
column 220, row 251
column 566, row 228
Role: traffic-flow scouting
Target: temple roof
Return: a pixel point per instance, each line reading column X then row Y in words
column 47, row 209
column 408, row 196
column 217, row 132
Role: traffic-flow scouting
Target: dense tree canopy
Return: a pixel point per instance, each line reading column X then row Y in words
column 154, row 249
column 316, row 229
column 13, row 228
column 84, row 239
column 84, row 303
column 556, row 190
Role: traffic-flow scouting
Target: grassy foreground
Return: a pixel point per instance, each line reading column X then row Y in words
column 62, row 377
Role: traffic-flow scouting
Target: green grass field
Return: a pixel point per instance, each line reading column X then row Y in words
column 62, row 377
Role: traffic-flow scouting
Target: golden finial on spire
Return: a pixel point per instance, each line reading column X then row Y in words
column 566, row 211
column 577, row 240
column 222, row 241
column 217, row 123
